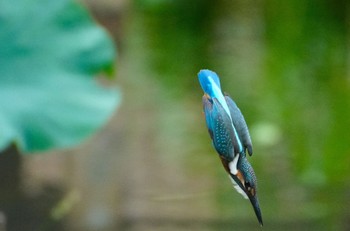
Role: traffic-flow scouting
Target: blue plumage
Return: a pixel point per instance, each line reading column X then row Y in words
column 219, row 110
column 230, row 135
column 240, row 124
column 205, row 77
column 210, row 84
column 220, row 128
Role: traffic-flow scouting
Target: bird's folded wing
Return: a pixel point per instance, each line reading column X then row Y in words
column 240, row 124
column 219, row 124
column 207, row 108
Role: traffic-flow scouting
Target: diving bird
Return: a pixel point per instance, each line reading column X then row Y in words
column 230, row 136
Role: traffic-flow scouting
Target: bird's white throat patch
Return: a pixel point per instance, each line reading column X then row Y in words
column 234, row 171
column 233, row 165
column 238, row 189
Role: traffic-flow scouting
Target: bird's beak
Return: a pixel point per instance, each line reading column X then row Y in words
column 252, row 197
column 255, row 203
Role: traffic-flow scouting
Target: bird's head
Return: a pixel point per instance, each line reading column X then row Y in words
column 249, row 183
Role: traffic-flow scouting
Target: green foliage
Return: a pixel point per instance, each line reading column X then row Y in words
column 306, row 67
column 49, row 52
column 286, row 65
column 183, row 36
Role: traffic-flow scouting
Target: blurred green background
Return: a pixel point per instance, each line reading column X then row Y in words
column 152, row 167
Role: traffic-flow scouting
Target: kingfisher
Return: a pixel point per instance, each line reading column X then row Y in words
column 230, row 137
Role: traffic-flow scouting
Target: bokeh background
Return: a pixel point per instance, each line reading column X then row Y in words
column 152, row 167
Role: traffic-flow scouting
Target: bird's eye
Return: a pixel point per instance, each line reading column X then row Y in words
column 247, row 185
column 249, row 188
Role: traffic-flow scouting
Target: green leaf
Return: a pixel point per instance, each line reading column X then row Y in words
column 50, row 52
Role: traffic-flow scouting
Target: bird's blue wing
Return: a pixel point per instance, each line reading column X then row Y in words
column 240, row 125
column 208, row 108
column 221, row 130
